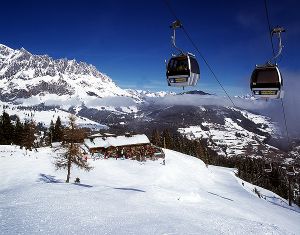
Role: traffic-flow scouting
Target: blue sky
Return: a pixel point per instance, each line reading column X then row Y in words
column 129, row 40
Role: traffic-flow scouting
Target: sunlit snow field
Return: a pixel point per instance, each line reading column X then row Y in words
column 128, row 197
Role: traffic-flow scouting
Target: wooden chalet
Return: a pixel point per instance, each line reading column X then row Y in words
column 125, row 146
column 102, row 142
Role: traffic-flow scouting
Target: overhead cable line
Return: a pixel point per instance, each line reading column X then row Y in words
column 197, row 49
column 269, row 27
column 285, row 122
column 282, row 104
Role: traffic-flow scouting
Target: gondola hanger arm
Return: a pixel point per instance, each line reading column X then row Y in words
column 277, row 31
column 175, row 25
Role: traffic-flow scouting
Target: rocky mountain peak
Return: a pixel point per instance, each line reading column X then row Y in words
column 23, row 75
column 5, row 51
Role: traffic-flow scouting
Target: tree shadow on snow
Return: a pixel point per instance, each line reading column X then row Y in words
column 286, row 206
column 229, row 199
column 48, row 179
column 131, row 189
column 83, row 185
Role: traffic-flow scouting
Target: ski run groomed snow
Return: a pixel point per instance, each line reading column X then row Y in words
column 129, row 197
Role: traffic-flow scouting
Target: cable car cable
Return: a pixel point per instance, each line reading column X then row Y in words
column 207, row 64
column 201, row 55
column 285, row 122
column 281, row 99
column 269, row 27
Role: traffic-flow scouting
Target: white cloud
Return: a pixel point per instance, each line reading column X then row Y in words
column 198, row 100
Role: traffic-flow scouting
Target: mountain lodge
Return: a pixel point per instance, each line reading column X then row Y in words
column 125, row 146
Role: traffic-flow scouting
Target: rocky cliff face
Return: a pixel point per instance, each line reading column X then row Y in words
column 23, row 75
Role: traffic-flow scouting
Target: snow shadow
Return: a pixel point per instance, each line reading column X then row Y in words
column 279, row 202
column 48, row 179
column 131, row 189
column 229, row 199
column 83, row 185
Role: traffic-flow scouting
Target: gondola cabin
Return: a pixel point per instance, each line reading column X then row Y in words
column 183, row 70
column 266, row 82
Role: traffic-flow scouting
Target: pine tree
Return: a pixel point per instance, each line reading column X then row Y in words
column 58, row 131
column 200, row 151
column 51, row 132
column 18, row 132
column 155, row 138
column 168, row 140
column 72, row 138
column 7, row 129
column 1, row 131
column 28, row 136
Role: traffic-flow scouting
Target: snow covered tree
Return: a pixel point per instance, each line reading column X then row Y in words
column 72, row 138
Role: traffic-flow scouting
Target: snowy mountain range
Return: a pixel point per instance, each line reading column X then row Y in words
column 42, row 88
column 34, row 79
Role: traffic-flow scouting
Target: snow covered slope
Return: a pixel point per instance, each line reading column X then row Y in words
column 44, row 117
column 235, row 137
column 126, row 197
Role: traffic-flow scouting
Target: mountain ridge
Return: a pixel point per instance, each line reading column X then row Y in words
column 23, row 75
column 34, row 82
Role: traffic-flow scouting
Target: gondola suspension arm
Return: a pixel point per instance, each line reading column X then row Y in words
column 176, row 24
column 277, row 31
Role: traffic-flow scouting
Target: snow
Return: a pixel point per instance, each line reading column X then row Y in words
column 127, row 197
column 45, row 117
column 149, row 94
column 105, row 142
column 75, row 83
column 202, row 109
column 231, row 134
column 129, row 109
column 270, row 127
column 268, row 195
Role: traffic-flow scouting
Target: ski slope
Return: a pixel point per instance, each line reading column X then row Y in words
column 127, row 197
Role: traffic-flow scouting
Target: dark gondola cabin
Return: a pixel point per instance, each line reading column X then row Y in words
column 183, row 70
column 266, row 82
